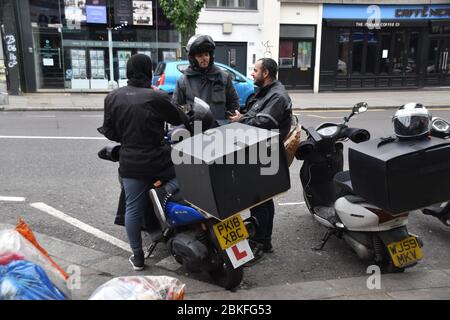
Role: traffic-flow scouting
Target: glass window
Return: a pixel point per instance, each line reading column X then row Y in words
column 286, row 54
column 372, row 47
column 446, row 29
column 343, row 52
column 433, row 56
column 397, row 57
column 287, row 31
column 435, row 29
column 411, row 66
column 233, row 4
column 385, row 53
column 304, row 54
column 358, row 45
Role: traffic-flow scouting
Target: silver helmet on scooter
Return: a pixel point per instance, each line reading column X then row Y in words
column 412, row 120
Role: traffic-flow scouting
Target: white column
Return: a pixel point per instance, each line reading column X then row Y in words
column 318, row 48
column 271, row 29
column 111, row 59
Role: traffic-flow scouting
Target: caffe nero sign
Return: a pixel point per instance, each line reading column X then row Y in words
column 425, row 12
column 386, row 12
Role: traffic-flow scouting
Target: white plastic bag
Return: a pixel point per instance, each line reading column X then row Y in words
column 13, row 243
column 140, row 288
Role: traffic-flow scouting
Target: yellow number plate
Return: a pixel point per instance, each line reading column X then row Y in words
column 405, row 252
column 230, row 231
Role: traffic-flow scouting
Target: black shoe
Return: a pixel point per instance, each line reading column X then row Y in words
column 258, row 253
column 137, row 261
column 267, row 248
column 159, row 199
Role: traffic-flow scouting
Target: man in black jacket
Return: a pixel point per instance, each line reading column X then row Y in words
column 203, row 79
column 134, row 116
column 271, row 109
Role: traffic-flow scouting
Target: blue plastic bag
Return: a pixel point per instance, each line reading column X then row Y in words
column 24, row 280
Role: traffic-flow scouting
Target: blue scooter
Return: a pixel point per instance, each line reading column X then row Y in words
column 198, row 241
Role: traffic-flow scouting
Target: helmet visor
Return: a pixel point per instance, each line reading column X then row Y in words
column 411, row 125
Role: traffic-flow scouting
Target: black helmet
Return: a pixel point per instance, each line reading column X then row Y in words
column 200, row 43
column 200, row 111
column 412, row 120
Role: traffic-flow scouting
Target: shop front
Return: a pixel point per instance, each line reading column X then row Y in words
column 84, row 45
column 384, row 47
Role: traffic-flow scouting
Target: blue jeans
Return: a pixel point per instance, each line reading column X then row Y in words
column 136, row 203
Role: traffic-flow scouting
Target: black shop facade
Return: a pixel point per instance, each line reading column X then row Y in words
column 385, row 47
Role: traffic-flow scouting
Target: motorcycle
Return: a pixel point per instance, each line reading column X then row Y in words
column 373, row 233
column 440, row 129
column 198, row 241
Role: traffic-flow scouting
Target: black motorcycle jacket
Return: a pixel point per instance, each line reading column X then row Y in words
column 134, row 116
column 270, row 108
column 213, row 86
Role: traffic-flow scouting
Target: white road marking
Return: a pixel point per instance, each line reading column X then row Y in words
column 12, row 199
column 322, row 117
column 299, row 112
column 52, row 138
column 34, row 116
column 81, row 225
column 91, row 116
column 291, row 203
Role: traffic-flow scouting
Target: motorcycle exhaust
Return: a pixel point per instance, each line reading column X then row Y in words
column 361, row 250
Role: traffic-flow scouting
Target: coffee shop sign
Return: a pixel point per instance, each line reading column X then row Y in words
column 424, row 12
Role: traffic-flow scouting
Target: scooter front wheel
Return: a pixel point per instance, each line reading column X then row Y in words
column 226, row 276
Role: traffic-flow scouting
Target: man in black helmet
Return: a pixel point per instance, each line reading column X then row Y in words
column 203, row 79
column 134, row 116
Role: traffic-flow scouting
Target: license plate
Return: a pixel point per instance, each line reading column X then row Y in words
column 405, row 252
column 231, row 232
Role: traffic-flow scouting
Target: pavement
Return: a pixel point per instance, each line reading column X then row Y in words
column 96, row 268
column 435, row 97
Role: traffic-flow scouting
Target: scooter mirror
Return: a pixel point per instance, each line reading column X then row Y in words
column 360, row 107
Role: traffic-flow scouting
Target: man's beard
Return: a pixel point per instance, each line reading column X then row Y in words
column 258, row 83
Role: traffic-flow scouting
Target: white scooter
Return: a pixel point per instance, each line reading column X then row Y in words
column 376, row 235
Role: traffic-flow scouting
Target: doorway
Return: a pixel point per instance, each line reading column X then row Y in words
column 49, row 58
column 438, row 63
column 232, row 54
column 296, row 63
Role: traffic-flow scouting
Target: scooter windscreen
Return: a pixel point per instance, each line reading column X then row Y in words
column 200, row 111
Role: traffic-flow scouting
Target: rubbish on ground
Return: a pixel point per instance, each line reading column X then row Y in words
column 140, row 288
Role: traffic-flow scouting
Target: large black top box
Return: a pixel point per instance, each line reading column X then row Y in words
column 402, row 175
column 212, row 182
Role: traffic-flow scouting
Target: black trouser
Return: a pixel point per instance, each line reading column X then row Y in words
column 264, row 213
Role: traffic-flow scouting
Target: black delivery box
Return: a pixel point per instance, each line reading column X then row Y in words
column 402, row 175
column 231, row 168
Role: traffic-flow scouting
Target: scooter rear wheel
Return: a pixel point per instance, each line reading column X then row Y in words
column 226, row 276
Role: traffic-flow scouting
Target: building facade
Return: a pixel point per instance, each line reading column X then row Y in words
column 81, row 45
column 320, row 45
column 237, row 28
column 385, row 46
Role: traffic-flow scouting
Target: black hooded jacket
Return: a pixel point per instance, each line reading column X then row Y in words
column 270, row 108
column 134, row 116
column 213, row 86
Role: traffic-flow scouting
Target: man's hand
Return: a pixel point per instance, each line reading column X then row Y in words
column 236, row 117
